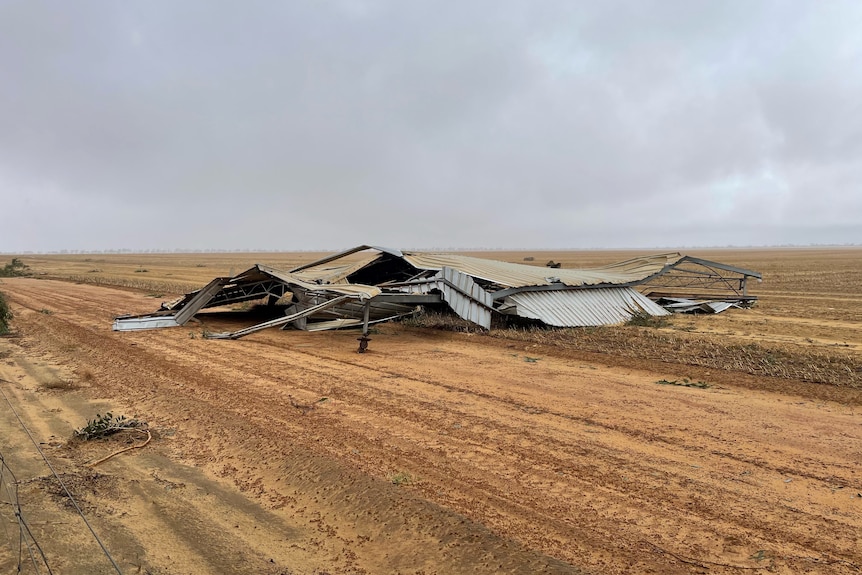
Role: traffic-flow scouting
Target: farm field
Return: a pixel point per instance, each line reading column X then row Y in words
column 711, row 444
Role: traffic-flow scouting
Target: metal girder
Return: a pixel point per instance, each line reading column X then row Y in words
column 408, row 298
column 281, row 320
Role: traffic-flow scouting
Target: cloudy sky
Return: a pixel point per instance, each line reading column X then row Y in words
column 322, row 125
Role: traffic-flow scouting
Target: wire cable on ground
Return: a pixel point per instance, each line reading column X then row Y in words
column 125, row 449
column 25, row 536
column 63, row 485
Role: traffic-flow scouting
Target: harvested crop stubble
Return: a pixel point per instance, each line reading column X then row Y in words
column 151, row 285
column 839, row 369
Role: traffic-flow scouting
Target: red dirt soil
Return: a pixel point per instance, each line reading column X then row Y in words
column 443, row 452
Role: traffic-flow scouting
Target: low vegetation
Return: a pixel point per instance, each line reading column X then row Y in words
column 804, row 364
column 684, row 383
column 59, row 384
column 15, row 268
column 402, row 478
column 104, row 425
column 5, row 315
column 442, row 321
column 644, row 319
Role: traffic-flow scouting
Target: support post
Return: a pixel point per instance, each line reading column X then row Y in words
column 366, row 314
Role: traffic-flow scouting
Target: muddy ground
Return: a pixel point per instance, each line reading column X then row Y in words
column 436, row 452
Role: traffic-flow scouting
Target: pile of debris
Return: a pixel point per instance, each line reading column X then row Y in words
column 369, row 284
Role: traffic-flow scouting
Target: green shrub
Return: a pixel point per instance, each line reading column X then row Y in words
column 15, row 268
column 5, row 315
column 105, row 425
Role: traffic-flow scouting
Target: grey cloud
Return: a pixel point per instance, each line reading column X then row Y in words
column 305, row 125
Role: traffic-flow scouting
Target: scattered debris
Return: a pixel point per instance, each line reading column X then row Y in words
column 685, row 383
column 306, row 407
column 684, row 305
column 103, row 426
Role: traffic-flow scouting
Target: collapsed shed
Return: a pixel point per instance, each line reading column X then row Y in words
column 368, row 284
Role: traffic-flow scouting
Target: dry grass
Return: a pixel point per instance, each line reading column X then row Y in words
column 58, row 384
column 150, row 285
column 86, row 375
column 442, row 321
column 812, row 365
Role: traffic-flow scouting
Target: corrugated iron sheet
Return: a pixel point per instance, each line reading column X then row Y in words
column 466, row 297
column 151, row 322
column 521, row 275
column 684, row 305
column 582, row 307
column 335, row 273
column 363, row 291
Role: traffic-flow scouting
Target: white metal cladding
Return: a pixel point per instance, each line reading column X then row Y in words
column 583, row 307
column 521, row 275
column 137, row 323
column 466, row 297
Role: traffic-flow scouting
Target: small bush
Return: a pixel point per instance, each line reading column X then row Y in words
column 644, row 319
column 105, row 425
column 401, row 478
column 15, row 268
column 59, row 384
column 86, row 375
column 5, row 315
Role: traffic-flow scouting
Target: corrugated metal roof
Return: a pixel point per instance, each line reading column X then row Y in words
column 520, row 275
column 363, row 291
column 582, row 307
column 335, row 273
column 466, row 297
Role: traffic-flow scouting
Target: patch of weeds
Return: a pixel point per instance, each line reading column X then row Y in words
column 685, row 383
column 141, row 271
column 5, row 315
column 401, row 478
column 644, row 319
column 105, row 425
column 442, row 321
column 59, row 384
column 758, row 556
column 86, row 375
column 531, row 359
column 192, row 335
column 46, row 311
column 155, row 295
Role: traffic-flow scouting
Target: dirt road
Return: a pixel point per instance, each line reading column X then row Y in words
column 434, row 453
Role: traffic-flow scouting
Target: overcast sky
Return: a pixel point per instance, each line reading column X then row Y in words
column 323, row 125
